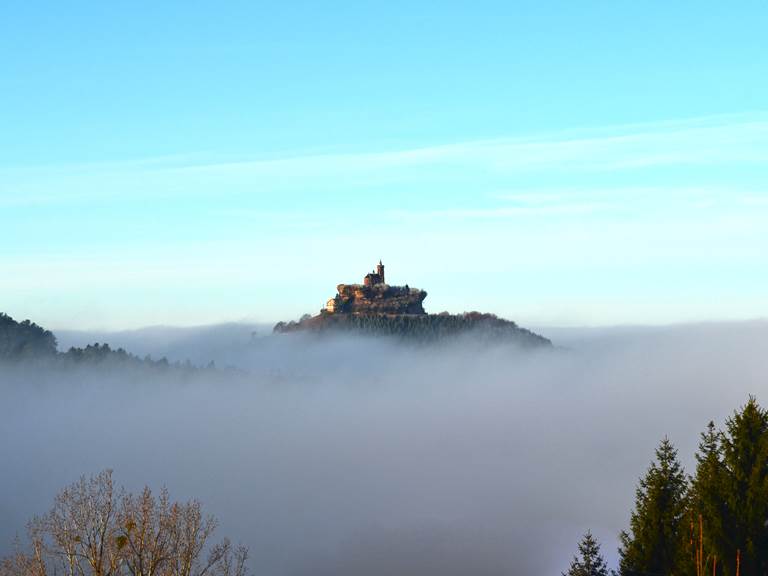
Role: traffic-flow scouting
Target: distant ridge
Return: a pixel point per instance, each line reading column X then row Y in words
column 27, row 342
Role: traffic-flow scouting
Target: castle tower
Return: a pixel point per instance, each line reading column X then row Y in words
column 380, row 272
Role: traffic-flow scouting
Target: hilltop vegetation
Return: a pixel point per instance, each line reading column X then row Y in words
column 26, row 341
column 422, row 328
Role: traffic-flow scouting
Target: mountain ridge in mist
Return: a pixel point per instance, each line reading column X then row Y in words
column 224, row 344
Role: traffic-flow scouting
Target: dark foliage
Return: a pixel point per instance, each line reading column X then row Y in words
column 589, row 561
column 715, row 523
column 425, row 328
column 745, row 456
column 652, row 544
column 103, row 354
column 24, row 340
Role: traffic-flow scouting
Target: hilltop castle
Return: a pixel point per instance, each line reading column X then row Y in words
column 375, row 296
column 377, row 309
column 376, row 277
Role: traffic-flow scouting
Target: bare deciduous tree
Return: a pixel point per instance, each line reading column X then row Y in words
column 95, row 530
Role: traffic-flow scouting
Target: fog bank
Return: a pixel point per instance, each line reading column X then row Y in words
column 354, row 456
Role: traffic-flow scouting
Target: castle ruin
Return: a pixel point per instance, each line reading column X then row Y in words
column 375, row 296
column 376, row 277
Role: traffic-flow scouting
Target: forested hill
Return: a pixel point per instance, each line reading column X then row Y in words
column 422, row 328
column 26, row 341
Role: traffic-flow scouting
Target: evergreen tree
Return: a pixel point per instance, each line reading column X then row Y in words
column 745, row 487
column 708, row 539
column 589, row 561
column 658, row 522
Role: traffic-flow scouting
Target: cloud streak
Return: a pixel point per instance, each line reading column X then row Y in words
column 742, row 138
column 739, row 139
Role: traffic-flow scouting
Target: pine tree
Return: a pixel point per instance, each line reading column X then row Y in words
column 707, row 540
column 658, row 522
column 745, row 487
column 589, row 561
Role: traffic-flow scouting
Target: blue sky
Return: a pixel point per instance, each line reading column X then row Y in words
column 556, row 163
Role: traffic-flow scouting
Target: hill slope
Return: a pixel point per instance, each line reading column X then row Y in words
column 424, row 328
column 24, row 339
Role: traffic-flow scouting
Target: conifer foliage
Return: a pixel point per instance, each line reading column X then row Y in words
column 589, row 561
column 716, row 523
column 660, row 504
column 745, row 458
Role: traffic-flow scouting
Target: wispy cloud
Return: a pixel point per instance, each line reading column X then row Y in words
column 755, row 200
column 736, row 140
column 742, row 138
column 502, row 212
column 565, row 201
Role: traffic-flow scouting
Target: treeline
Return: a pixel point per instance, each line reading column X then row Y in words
column 26, row 341
column 712, row 523
column 103, row 354
column 427, row 328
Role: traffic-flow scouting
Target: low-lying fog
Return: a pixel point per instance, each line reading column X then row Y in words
column 358, row 457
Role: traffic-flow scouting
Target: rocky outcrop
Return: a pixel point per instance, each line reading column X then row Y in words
column 377, row 309
column 376, row 299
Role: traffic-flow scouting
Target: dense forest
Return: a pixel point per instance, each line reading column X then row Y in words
column 423, row 328
column 714, row 522
column 26, row 341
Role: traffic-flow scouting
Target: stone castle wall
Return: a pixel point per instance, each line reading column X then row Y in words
column 378, row 299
